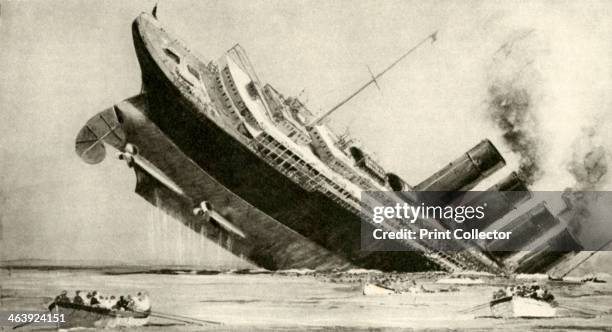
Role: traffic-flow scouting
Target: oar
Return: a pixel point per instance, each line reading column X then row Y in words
column 173, row 316
column 176, row 317
column 583, row 310
column 28, row 323
column 480, row 306
column 178, row 320
column 476, row 307
column 22, row 325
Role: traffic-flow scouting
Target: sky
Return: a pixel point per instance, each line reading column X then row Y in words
column 64, row 61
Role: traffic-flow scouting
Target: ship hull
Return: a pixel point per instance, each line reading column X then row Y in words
column 241, row 171
column 268, row 243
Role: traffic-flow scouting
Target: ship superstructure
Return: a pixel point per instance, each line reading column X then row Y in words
column 257, row 172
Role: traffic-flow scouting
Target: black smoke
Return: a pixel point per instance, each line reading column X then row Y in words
column 588, row 210
column 511, row 110
column 513, row 95
column 589, row 161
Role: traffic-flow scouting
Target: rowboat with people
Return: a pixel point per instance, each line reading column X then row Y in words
column 92, row 309
column 527, row 301
column 81, row 315
column 523, row 307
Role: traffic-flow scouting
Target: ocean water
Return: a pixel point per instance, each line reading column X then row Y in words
column 289, row 301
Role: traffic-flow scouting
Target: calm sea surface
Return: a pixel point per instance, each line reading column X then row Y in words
column 274, row 301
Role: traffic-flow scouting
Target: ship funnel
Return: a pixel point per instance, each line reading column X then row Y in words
column 550, row 253
column 525, row 228
column 396, row 183
column 364, row 162
column 512, row 182
column 499, row 200
column 462, row 174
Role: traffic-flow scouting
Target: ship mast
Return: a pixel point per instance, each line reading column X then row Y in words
column 320, row 119
column 585, row 259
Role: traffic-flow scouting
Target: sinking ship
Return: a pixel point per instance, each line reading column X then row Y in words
column 260, row 175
